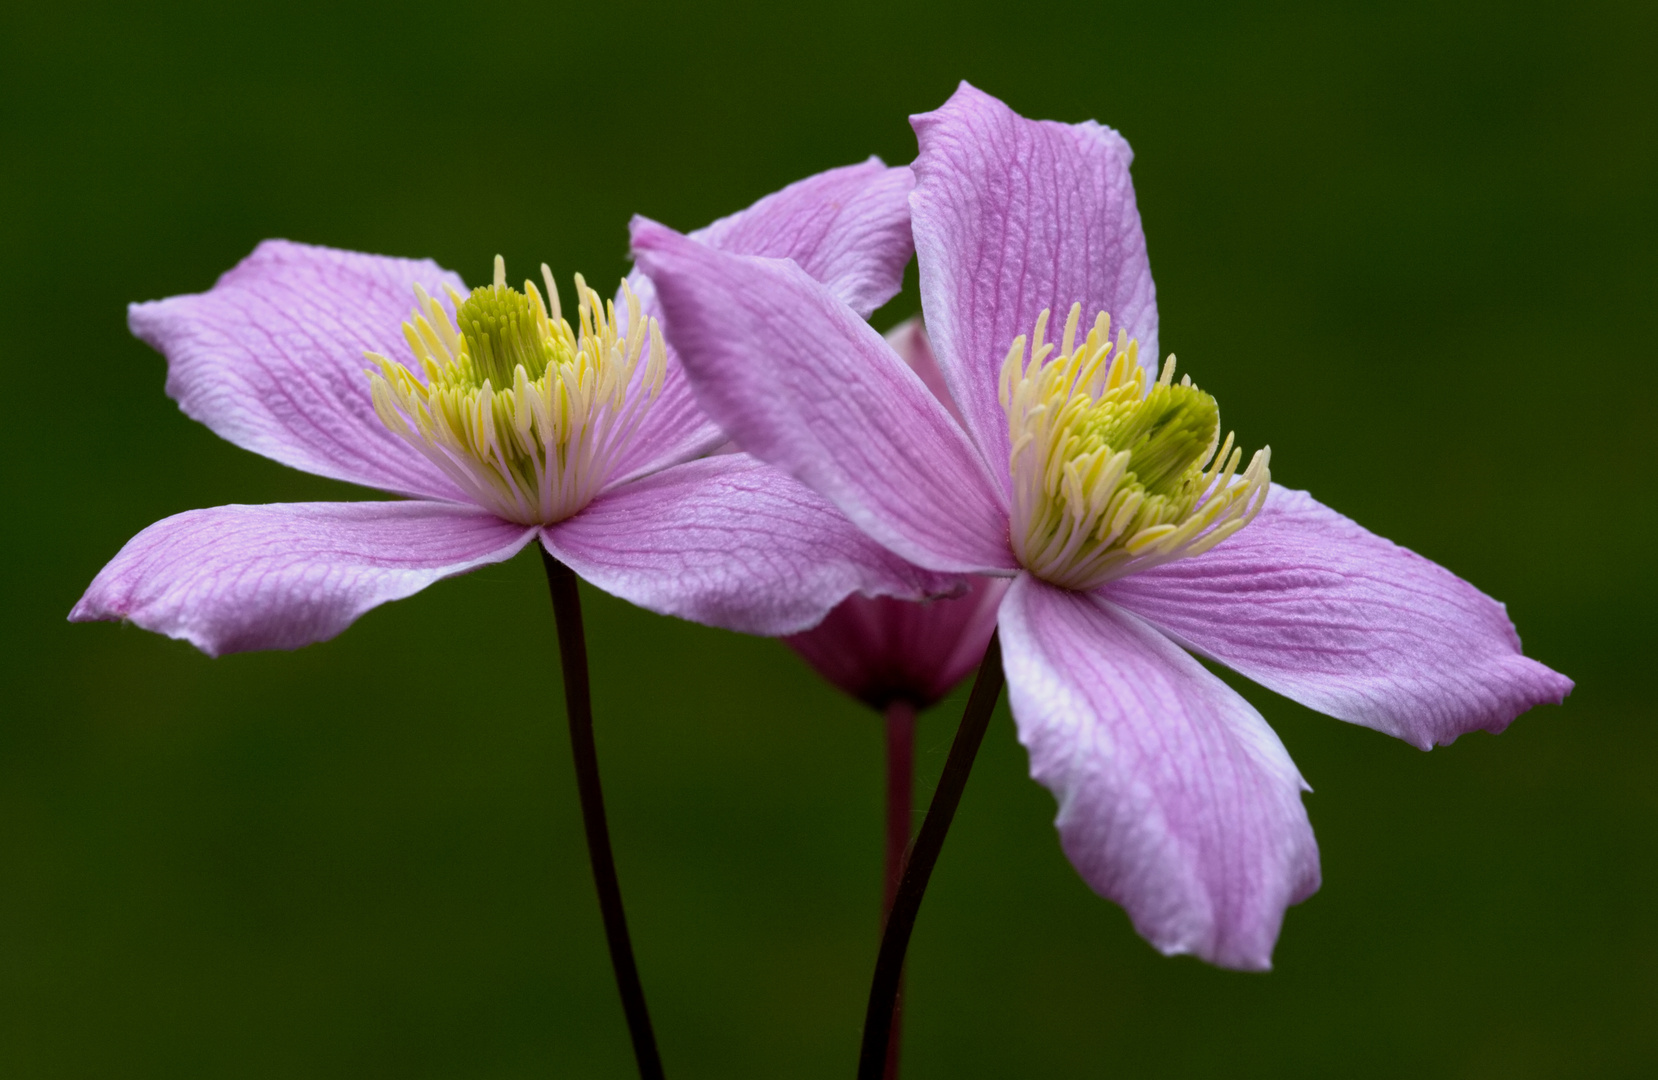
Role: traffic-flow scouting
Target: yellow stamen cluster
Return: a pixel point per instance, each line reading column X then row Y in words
column 1111, row 477
column 527, row 416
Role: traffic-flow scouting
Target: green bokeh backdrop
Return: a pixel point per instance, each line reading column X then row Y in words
column 1414, row 247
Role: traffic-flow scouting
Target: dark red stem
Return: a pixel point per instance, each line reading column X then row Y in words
column 918, row 868
column 900, row 725
column 900, row 718
column 578, row 705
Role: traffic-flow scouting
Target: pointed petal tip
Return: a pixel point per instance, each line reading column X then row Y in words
column 1249, row 964
column 88, row 610
column 282, row 575
column 646, row 230
column 270, row 359
column 1547, row 687
column 1311, row 605
column 964, row 92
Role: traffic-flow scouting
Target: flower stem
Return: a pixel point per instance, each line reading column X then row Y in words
column 578, row 706
column 900, row 725
column 889, row 964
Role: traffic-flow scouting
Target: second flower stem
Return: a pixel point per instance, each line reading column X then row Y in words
column 900, row 725
column 895, row 940
column 578, row 705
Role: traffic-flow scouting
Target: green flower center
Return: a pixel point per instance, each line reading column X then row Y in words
column 501, row 332
column 527, row 416
column 1167, row 434
column 1111, row 476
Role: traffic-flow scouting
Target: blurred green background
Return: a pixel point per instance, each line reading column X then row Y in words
column 1414, row 247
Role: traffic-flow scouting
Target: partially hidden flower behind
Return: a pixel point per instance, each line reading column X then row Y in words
column 502, row 421
column 1131, row 530
column 889, row 652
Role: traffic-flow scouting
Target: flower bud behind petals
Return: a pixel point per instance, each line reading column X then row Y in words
column 881, row 650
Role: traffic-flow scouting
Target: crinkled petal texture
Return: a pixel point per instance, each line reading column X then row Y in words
column 798, row 379
column 734, row 543
column 1175, row 798
column 848, row 228
column 271, row 359
column 881, row 650
column 236, row 578
column 1012, row 216
column 1308, row 603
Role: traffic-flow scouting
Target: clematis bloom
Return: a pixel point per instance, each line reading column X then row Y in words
column 501, row 423
column 1083, row 471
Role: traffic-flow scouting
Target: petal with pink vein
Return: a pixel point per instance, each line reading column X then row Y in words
column 848, row 228
column 796, row 378
column 1012, row 216
column 731, row 542
column 1175, row 798
column 235, row 578
column 1308, row 603
column 271, row 359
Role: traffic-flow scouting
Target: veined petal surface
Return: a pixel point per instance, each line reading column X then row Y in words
column 848, row 228
column 271, row 359
column 1176, row 799
column 1308, row 603
column 734, row 543
column 796, row 378
column 236, row 578
column 1012, row 216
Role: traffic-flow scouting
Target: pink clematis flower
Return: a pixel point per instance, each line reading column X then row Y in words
column 1105, row 493
column 506, row 427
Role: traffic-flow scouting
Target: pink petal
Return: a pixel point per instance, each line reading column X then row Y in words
column 237, row 578
column 848, row 228
column 733, row 543
column 271, row 358
column 909, row 340
column 1311, row 605
column 1175, row 798
column 878, row 649
column 1012, row 216
column 795, row 377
